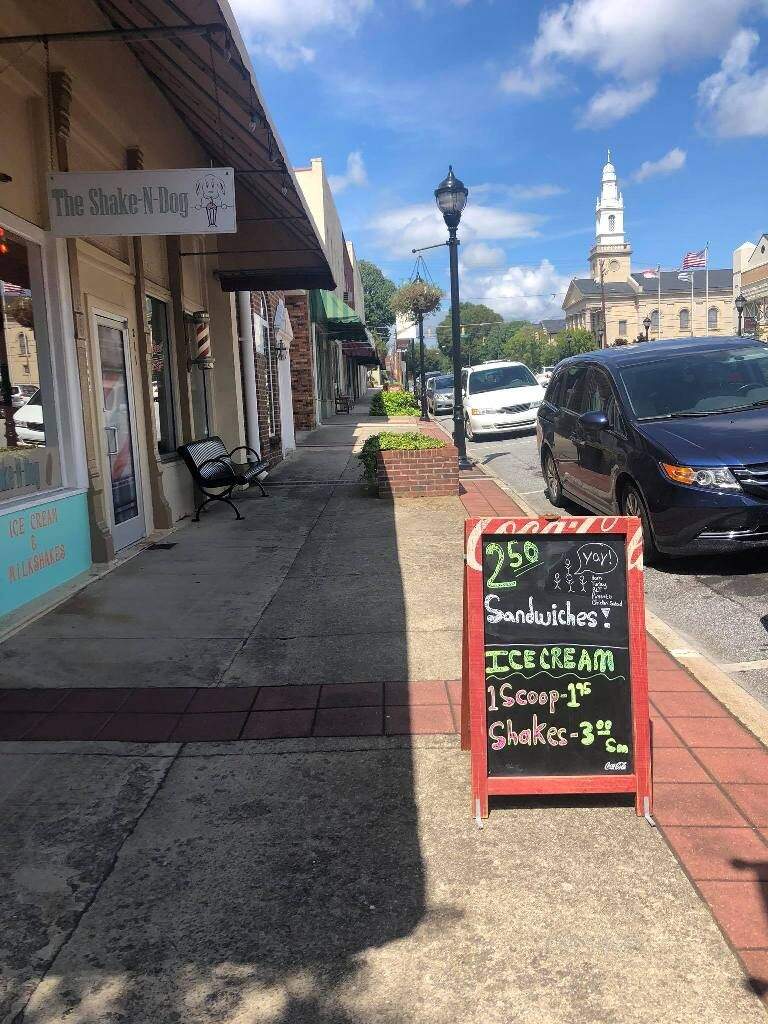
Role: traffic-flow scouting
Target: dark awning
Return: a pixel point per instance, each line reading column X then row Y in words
column 211, row 84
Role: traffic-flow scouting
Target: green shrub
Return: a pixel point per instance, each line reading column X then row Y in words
column 410, row 442
column 394, row 403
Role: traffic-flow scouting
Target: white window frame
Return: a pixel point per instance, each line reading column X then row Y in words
column 267, row 349
column 60, row 370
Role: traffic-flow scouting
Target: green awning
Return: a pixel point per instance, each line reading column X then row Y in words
column 332, row 313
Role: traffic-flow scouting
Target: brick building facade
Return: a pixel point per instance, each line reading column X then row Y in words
column 302, row 362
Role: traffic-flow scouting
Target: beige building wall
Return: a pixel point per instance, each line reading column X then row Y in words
column 750, row 278
column 625, row 317
column 116, row 108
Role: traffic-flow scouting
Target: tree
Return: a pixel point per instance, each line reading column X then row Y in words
column 571, row 342
column 473, row 338
column 434, row 359
column 377, row 292
column 526, row 346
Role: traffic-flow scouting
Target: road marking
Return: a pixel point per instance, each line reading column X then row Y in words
column 743, row 666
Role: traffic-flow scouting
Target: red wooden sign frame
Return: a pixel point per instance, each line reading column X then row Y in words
column 473, row 710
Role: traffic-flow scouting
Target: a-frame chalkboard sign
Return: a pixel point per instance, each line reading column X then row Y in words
column 555, row 682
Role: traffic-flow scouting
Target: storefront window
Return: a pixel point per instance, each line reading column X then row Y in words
column 29, row 456
column 162, row 389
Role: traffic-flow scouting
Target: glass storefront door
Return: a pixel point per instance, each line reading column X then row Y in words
column 120, row 433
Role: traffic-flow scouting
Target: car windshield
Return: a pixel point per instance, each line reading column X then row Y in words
column 698, row 383
column 441, row 383
column 496, row 378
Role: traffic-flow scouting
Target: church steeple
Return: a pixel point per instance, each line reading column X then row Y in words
column 610, row 244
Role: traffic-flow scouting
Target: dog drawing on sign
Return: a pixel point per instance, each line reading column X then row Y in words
column 210, row 191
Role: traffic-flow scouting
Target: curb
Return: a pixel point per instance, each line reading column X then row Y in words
column 742, row 705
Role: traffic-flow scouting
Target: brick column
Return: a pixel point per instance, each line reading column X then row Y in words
column 302, row 362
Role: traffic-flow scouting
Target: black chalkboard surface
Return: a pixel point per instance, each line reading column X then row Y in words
column 556, row 639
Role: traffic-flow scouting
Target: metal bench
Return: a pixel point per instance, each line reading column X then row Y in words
column 212, row 468
column 343, row 403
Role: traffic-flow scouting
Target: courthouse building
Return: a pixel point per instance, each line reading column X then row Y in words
column 115, row 348
column 631, row 297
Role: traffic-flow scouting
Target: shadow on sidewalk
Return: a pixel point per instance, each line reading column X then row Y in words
column 252, row 882
column 758, row 874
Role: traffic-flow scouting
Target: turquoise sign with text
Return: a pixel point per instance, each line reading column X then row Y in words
column 42, row 547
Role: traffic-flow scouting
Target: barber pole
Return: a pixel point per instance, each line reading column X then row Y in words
column 203, row 339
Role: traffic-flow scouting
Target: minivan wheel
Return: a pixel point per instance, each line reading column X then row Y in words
column 553, row 489
column 632, row 504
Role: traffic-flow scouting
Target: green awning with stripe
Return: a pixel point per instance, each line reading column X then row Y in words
column 338, row 319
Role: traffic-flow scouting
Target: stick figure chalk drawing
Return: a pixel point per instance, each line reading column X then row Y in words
column 210, row 190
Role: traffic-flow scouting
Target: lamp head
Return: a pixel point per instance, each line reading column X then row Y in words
column 740, row 303
column 451, row 197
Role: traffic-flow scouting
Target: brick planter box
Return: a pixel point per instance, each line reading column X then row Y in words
column 428, row 473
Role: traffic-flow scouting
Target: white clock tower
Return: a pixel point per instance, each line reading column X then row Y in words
column 610, row 248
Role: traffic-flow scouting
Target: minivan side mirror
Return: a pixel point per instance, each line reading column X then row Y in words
column 594, row 420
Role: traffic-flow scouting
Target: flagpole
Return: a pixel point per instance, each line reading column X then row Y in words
column 693, row 275
column 658, row 272
column 706, row 300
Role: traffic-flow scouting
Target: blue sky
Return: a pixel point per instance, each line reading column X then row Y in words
column 523, row 99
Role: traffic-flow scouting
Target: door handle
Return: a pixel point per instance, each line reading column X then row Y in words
column 113, row 430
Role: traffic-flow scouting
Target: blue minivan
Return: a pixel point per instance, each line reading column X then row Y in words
column 674, row 432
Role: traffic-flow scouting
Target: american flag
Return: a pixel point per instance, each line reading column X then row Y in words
column 694, row 260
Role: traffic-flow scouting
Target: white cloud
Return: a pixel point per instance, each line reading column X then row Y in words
column 408, row 227
column 672, row 161
column 636, row 40
column 631, row 41
column 734, row 101
column 614, row 103
column 480, row 254
column 524, row 292
column 517, row 191
column 280, row 29
column 356, row 174
column 530, row 81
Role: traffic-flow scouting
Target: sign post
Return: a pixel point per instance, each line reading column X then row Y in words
column 555, row 684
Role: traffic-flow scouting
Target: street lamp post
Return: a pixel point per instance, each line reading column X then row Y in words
column 647, row 326
column 424, row 413
column 740, row 304
column 451, row 196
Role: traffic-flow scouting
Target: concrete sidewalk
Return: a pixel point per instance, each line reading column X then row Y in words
column 325, row 880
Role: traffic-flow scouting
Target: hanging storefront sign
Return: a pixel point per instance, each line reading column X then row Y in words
column 187, row 201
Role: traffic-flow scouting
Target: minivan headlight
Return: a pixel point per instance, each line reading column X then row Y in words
column 718, row 478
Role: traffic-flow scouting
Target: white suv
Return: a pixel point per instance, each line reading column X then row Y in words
column 499, row 396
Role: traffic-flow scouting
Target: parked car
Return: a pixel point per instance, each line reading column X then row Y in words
column 29, row 421
column 21, row 394
column 440, row 394
column 675, row 433
column 499, row 396
column 544, row 376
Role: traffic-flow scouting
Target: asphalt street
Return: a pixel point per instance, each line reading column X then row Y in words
column 719, row 604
